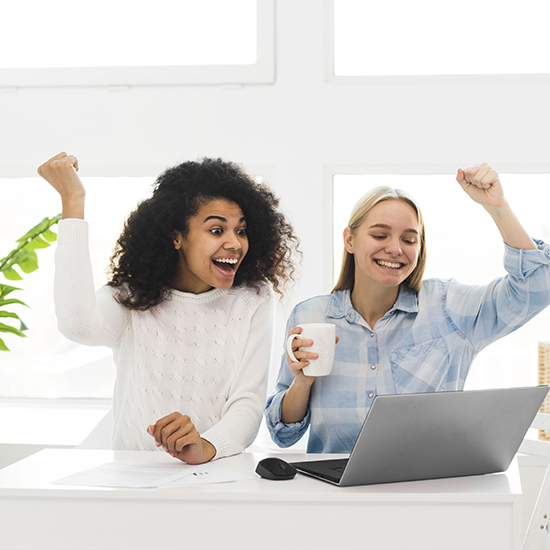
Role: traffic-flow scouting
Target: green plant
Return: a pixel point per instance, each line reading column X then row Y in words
column 24, row 257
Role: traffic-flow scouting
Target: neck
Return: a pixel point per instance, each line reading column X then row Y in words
column 372, row 302
column 184, row 283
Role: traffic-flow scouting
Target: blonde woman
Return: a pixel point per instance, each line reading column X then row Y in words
column 398, row 333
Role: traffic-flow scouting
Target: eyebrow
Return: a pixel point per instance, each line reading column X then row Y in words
column 222, row 219
column 384, row 226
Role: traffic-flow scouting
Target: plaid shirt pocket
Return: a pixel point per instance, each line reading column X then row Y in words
column 421, row 367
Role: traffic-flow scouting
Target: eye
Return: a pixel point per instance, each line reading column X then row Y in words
column 242, row 232
column 409, row 241
column 216, row 231
column 378, row 237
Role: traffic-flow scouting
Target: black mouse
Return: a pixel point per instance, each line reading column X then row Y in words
column 275, row 468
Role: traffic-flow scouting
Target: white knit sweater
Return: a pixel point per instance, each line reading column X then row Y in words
column 206, row 355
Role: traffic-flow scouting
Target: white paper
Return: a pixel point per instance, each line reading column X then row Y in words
column 212, row 473
column 138, row 474
column 131, row 473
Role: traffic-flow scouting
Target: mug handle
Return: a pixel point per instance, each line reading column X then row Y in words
column 289, row 347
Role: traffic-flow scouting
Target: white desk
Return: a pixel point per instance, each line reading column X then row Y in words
column 481, row 512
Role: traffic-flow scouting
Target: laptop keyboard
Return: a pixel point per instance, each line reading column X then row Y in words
column 327, row 469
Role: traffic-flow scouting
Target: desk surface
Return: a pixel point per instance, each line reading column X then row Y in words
column 428, row 512
column 34, row 475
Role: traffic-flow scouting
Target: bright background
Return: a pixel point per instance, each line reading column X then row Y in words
column 310, row 133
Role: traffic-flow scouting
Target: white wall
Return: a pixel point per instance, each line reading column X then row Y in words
column 294, row 132
column 292, row 129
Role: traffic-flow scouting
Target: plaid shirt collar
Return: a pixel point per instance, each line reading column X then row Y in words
column 340, row 303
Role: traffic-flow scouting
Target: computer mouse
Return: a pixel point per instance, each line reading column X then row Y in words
column 275, row 468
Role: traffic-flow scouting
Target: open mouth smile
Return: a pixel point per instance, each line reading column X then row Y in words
column 226, row 266
column 389, row 265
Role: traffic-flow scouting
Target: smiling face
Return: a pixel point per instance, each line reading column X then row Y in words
column 385, row 246
column 213, row 248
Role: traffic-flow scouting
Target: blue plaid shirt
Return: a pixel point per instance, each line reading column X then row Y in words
column 426, row 342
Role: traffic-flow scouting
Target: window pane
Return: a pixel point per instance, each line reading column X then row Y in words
column 431, row 37
column 127, row 33
column 463, row 243
column 45, row 364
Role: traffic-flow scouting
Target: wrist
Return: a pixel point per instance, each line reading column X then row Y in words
column 208, row 450
column 73, row 207
column 303, row 383
column 498, row 211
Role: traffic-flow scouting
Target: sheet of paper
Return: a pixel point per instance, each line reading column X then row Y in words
column 212, row 473
column 132, row 473
column 143, row 475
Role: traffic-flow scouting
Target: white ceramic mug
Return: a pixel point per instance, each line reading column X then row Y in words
column 323, row 336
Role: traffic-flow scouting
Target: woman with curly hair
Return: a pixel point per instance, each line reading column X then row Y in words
column 188, row 309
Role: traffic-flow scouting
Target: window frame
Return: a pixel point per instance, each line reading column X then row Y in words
column 262, row 72
column 331, row 78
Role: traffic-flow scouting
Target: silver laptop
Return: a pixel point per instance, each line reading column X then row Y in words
column 409, row 437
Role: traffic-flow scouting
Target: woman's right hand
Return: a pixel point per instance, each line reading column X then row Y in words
column 302, row 356
column 61, row 173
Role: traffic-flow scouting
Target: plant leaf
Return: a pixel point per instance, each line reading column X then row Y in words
column 49, row 235
column 39, row 228
column 24, row 255
column 11, row 274
column 9, row 314
column 27, row 261
column 37, row 243
column 25, row 258
column 6, row 289
column 22, row 325
column 12, row 301
column 12, row 330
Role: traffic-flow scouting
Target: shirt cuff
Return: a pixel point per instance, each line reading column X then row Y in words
column 521, row 263
column 284, row 435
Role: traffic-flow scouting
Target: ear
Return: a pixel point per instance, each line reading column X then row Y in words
column 348, row 240
column 177, row 238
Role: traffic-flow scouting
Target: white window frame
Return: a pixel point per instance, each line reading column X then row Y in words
column 262, row 72
column 331, row 78
column 330, row 171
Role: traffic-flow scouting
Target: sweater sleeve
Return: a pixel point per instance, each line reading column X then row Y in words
column 242, row 413
column 485, row 313
column 83, row 316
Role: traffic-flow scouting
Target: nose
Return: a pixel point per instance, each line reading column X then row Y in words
column 232, row 242
column 393, row 247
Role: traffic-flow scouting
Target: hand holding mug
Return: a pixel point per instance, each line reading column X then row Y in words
column 314, row 344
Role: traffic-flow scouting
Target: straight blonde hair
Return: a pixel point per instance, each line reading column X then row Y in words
column 358, row 215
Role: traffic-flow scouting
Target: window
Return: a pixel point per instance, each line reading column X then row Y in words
column 430, row 37
column 124, row 42
column 45, row 364
column 463, row 243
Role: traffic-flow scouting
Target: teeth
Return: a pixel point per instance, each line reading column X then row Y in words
column 227, row 260
column 388, row 264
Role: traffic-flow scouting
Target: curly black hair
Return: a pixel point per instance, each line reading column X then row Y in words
column 145, row 261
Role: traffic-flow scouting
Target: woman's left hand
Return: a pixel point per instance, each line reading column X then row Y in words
column 482, row 184
column 179, row 438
